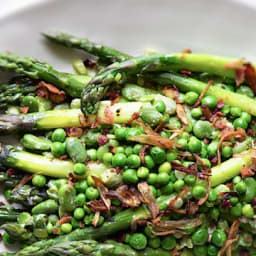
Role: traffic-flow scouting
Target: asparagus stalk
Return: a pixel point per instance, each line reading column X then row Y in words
column 8, row 213
column 192, row 61
column 66, row 118
column 109, row 248
column 94, row 91
column 12, row 93
column 34, row 69
column 189, row 84
column 33, row 163
column 122, row 220
column 106, row 54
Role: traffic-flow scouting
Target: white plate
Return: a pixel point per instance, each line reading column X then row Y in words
column 214, row 26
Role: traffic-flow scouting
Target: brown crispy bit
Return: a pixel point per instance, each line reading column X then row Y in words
column 181, row 113
column 96, row 219
column 187, row 50
column 63, row 157
column 134, row 116
column 198, row 102
column 23, row 181
column 102, row 140
column 247, row 172
column 250, row 76
column 74, row 132
column 185, row 72
column 50, row 92
column 142, row 153
column 82, row 120
column 64, row 219
column 109, row 117
column 24, row 110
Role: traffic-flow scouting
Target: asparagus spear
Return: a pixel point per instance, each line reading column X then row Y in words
column 94, row 91
column 106, row 54
column 13, row 92
column 15, row 158
column 189, row 84
column 192, row 61
column 35, row 69
column 66, row 118
column 109, row 248
column 9, row 213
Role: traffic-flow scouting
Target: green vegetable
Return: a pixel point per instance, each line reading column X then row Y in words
column 138, row 241
column 48, row 206
column 67, row 197
column 35, row 69
column 218, row 237
column 31, row 142
column 76, row 150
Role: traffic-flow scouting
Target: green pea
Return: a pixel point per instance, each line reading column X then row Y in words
column 190, row 179
column 162, row 178
column 183, row 143
column 133, row 161
column 152, row 178
column 81, row 186
column 212, row 148
column 225, row 110
column 107, row 158
column 119, row 159
column 101, row 151
column 158, row 154
column 138, row 241
column 234, row 200
column 53, row 219
column 92, row 154
column 246, row 117
column 245, row 240
column 240, row 187
column 236, row 179
column 159, row 105
column 235, row 111
column 240, row 123
column 178, row 185
column 212, row 195
column 153, row 190
column 75, row 223
column 236, row 210
column 59, row 135
column 168, row 243
column 200, row 237
column 226, row 151
column 245, row 90
column 191, row 98
column 92, row 193
column 130, row 176
column 214, row 213
column 248, row 211
column 39, row 180
column 137, row 148
column 199, row 191
column 212, row 250
column 66, row 228
column 202, row 129
column 194, row 145
column 79, row 213
column 171, row 156
column 128, row 150
column 154, row 242
column 58, row 149
column 143, row 172
column 165, row 167
column 219, row 237
column 196, row 113
column 200, row 250
column 119, row 149
column 76, row 150
column 211, row 101
column 120, row 133
column 168, row 189
column 80, row 199
column 174, row 123
column 149, row 162
column 80, row 169
column 31, row 102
